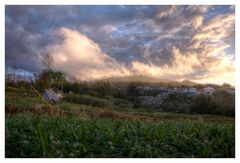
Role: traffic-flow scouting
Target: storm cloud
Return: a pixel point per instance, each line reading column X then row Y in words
column 92, row 42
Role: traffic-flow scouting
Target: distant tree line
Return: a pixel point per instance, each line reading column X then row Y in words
column 221, row 102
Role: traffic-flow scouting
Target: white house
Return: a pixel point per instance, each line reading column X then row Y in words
column 208, row 90
column 192, row 91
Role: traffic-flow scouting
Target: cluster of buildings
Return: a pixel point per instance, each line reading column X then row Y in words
column 160, row 90
column 163, row 92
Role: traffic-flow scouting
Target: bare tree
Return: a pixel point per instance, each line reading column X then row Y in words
column 47, row 63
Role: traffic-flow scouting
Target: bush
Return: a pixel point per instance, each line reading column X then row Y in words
column 132, row 91
column 122, row 103
column 225, row 103
column 179, row 103
column 204, row 104
column 87, row 100
column 221, row 102
column 101, row 89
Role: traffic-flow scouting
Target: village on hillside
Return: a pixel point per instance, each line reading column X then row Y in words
column 163, row 92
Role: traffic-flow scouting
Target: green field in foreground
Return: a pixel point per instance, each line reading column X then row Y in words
column 45, row 136
column 100, row 127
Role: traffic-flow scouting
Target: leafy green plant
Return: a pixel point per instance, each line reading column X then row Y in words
column 44, row 136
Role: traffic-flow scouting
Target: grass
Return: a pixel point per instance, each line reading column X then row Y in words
column 135, row 113
column 45, row 136
column 109, row 127
column 21, row 102
column 88, row 100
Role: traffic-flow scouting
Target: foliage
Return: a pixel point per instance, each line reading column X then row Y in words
column 142, row 133
column 225, row 103
column 221, row 102
column 122, row 103
column 177, row 102
column 132, row 89
column 87, row 100
column 204, row 104
column 101, row 89
column 43, row 136
column 20, row 85
column 50, row 78
column 71, row 87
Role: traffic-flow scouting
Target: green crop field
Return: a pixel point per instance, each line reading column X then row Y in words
column 80, row 127
column 45, row 136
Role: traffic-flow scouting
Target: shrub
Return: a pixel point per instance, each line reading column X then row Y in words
column 87, row 100
column 204, row 104
column 101, row 89
column 122, row 103
column 177, row 103
column 220, row 102
column 225, row 103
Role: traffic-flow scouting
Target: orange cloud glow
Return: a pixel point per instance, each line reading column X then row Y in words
column 81, row 57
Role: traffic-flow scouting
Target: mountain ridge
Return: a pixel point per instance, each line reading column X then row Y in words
column 146, row 79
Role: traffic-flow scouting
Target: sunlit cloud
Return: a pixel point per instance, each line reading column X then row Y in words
column 167, row 12
column 93, row 42
column 82, row 58
column 205, row 52
column 197, row 21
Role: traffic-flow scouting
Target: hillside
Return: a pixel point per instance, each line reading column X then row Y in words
column 147, row 79
column 136, row 78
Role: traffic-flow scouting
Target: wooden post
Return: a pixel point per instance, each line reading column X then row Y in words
column 40, row 95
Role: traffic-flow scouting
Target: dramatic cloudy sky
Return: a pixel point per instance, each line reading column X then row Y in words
column 93, row 42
